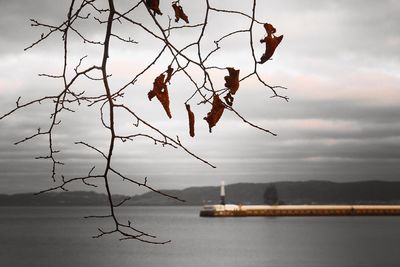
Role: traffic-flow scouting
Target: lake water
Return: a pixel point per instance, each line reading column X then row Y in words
column 59, row 236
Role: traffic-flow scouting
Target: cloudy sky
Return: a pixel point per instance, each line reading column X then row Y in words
column 340, row 61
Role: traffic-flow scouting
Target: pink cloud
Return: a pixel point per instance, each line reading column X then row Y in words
column 373, row 87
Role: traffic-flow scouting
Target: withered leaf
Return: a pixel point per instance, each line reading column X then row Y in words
column 179, row 14
column 232, row 81
column 154, row 5
column 229, row 99
column 160, row 90
column 269, row 28
column 169, row 74
column 191, row 120
column 271, row 42
column 216, row 112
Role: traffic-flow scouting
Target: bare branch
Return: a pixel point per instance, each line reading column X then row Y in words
column 194, row 68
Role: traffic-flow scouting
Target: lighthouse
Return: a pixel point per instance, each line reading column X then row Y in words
column 222, row 193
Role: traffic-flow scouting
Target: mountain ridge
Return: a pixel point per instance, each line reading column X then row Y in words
column 288, row 192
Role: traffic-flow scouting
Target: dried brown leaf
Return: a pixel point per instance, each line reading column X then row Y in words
column 269, row 28
column 154, row 5
column 169, row 74
column 191, row 120
column 229, row 99
column 216, row 112
column 179, row 14
column 160, row 90
column 232, row 81
column 271, row 42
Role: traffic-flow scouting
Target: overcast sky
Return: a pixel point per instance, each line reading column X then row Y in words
column 340, row 61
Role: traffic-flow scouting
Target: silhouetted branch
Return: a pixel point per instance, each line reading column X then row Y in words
column 181, row 62
column 124, row 178
column 166, row 137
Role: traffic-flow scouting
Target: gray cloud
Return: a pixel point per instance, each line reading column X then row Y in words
column 338, row 58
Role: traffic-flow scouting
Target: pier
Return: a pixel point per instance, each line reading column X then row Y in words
column 298, row 210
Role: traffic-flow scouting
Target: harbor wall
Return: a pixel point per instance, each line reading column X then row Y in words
column 304, row 210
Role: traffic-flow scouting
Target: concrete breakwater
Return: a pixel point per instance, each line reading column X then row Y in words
column 230, row 210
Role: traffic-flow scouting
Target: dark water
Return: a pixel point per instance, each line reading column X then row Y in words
column 61, row 237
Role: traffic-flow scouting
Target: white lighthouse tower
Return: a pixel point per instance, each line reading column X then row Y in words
column 222, row 195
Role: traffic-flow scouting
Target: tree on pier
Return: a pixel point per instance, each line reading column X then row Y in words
column 271, row 195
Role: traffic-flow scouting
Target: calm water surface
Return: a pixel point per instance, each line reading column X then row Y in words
column 61, row 237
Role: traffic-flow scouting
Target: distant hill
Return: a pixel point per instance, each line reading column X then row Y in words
column 77, row 198
column 309, row 192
